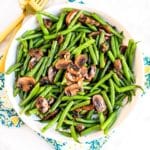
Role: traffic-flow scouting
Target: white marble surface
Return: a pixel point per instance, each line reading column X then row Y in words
column 134, row 133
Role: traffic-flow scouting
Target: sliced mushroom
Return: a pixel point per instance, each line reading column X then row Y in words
column 107, row 28
column 62, row 64
column 32, row 62
column 91, row 73
column 44, row 81
column 81, row 60
column 88, row 107
column 84, row 71
column 70, row 16
column 72, row 89
column 93, row 34
column 42, row 104
column 80, row 127
column 72, row 78
column 51, row 74
column 104, row 47
column 51, row 100
column 99, row 103
column 60, row 39
column 51, row 115
column 47, row 23
column 64, row 54
column 37, row 53
column 88, row 20
column 123, row 49
column 73, row 69
column 26, row 83
column 118, row 65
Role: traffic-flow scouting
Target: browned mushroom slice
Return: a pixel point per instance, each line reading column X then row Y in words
column 62, row 64
column 104, row 47
column 51, row 100
column 64, row 54
column 44, row 81
column 83, row 71
column 73, row 69
column 25, row 83
column 47, row 23
column 107, row 28
column 32, row 62
column 51, row 115
column 37, row 53
column 42, row 104
column 99, row 103
column 88, row 20
column 72, row 78
column 81, row 60
column 80, row 127
column 72, row 89
column 93, row 34
column 91, row 73
column 51, row 74
column 60, row 39
column 70, row 16
column 118, row 65
column 123, row 49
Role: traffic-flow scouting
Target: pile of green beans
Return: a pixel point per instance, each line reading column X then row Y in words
column 101, row 49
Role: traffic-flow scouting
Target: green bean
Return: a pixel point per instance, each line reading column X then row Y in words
column 125, row 68
column 94, row 93
column 111, row 57
column 90, row 113
column 110, row 119
column 56, row 104
column 81, row 104
column 107, row 101
column 102, row 80
column 70, row 116
column 20, row 53
column 105, row 87
column 116, row 79
column 25, row 65
column 15, row 90
column 76, row 97
column 101, row 117
column 46, row 91
column 51, row 123
column 33, row 111
column 58, row 76
column 63, row 115
column 29, row 32
column 90, row 129
column 64, row 32
column 101, row 38
column 102, row 60
column 39, row 43
column 13, row 68
column 105, row 69
column 132, row 55
column 82, row 37
column 96, row 52
column 92, row 27
column 113, row 46
column 31, row 95
column 86, row 121
column 117, row 46
column 33, row 71
column 125, row 89
column 127, row 52
column 67, row 41
column 30, row 43
column 112, row 92
column 74, row 20
column 92, row 54
column 40, row 20
column 41, row 70
column 83, row 46
column 60, row 21
column 28, row 107
column 74, row 134
column 98, row 18
column 30, row 37
column 51, row 16
column 85, row 30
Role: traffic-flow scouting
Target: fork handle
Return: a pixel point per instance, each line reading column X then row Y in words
column 3, row 59
column 10, row 28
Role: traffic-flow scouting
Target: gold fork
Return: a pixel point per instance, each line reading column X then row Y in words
column 29, row 7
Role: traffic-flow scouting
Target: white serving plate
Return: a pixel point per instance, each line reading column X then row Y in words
column 30, row 120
